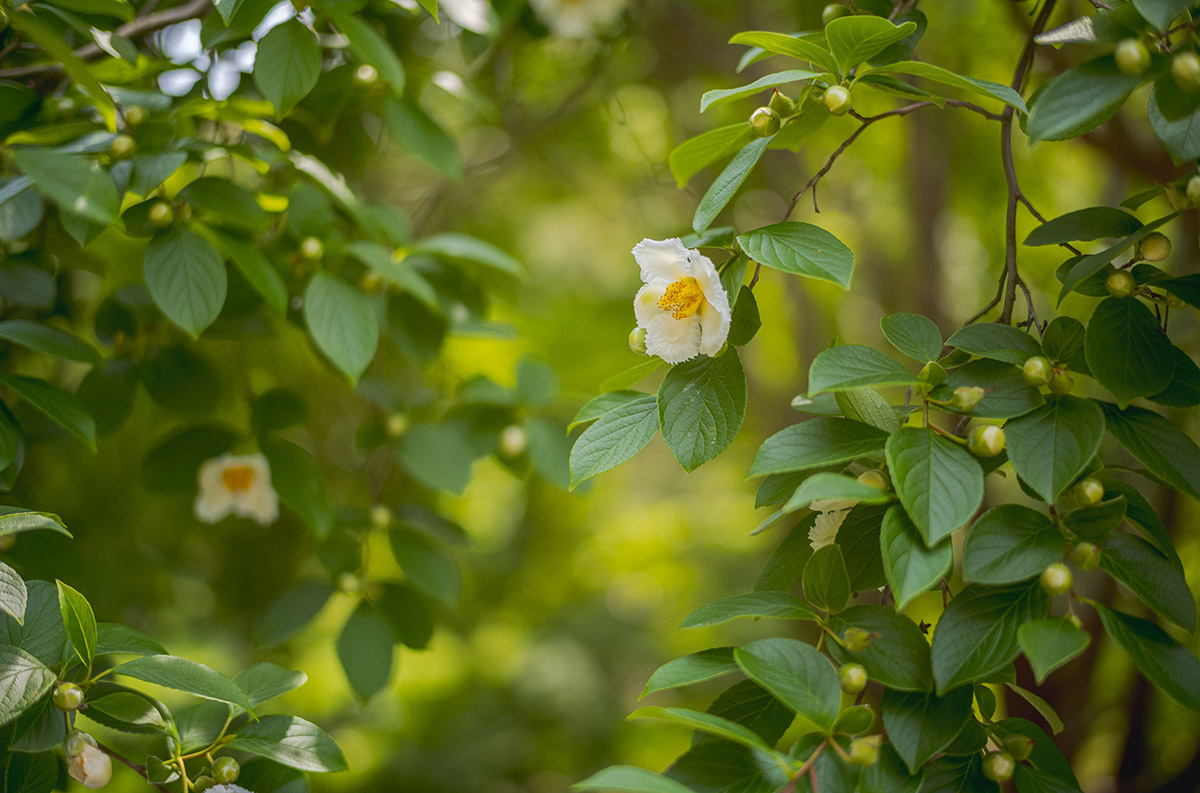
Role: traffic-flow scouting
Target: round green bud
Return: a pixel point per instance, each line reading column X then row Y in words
column 1037, row 371
column 1120, row 284
column 67, row 696
column 1056, row 579
column 875, row 479
column 637, row 340
column 225, row 770
column 122, row 146
column 986, row 440
column 75, row 741
column 1132, row 56
column 397, row 425
column 513, row 441
column 1185, row 70
column 161, row 215
column 136, row 115
column 1061, row 383
column 853, row 678
column 1088, row 491
column 966, row 397
column 1086, row 556
column 856, row 639
column 998, row 766
column 1175, row 301
column 782, row 104
column 1154, row 247
column 1193, row 189
column 7, row 542
column 932, row 373
column 837, row 100
column 349, row 584
column 312, row 249
column 834, row 11
column 1018, row 746
column 183, row 213
column 765, row 122
column 381, row 516
column 366, row 75
column 203, row 783
column 864, row 751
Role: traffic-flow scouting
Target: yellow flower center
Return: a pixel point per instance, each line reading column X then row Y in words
column 238, row 478
column 683, row 298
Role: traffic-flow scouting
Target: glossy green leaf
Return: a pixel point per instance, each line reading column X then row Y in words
column 722, row 190
column 342, row 323
column 1151, row 576
column 801, row 249
column 1157, row 444
column 1052, row 446
column 287, row 65
column 776, row 605
column 23, row 681
column 792, row 46
column 816, row 443
column 617, row 436
column 796, row 674
column 824, row 485
column 1079, row 100
column 1127, row 350
column 919, row 725
column 701, row 406
column 694, row 668
column 859, row 38
column 1010, row 543
column 911, row 568
column 1161, row 13
column 1050, row 643
column 1084, row 225
column 826, row 581
column 13, row 595
column 79, row 622
column 942, row 76
column 291, row 741
column 915, row 335
column 996, row 341
column 898, row 653
column 186, row 278
column 1167, row 663
column 855, row 366
column 694, row 155
column 723, row 96
column 939, row 483
column 182, row 674
column 59, row 407
column 705, row 723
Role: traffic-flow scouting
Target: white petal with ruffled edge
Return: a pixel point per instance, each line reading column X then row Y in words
column 662, row 260
column 673, row 340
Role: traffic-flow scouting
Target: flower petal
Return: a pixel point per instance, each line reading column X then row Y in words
column 645, row 303
column 715, row 314
column 673, row 340
column 662, row 260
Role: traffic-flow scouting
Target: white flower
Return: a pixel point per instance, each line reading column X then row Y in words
column 683, row 308
column 830, row 515
column 91, row 767
column 227, row 789
column 574, row 19
column 241, row 485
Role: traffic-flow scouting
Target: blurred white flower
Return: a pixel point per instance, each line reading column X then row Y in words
column 473, row 15
column 575, row 19
column 91, row 767
column 241, row 485
column 227, row 789
column 683, row 308
column 830, row 515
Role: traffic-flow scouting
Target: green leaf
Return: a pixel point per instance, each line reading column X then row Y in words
column 898, row 654
column 182, row 379
column 939, row 483
column 1157, row 444
column 21, row 210
column 292, row 610
column 1087, row 266
column 776, row 605
column 858, row 537
column 1139, row 512
column 800, row 248
column 398, row 272
column 371, row 48
column 720, row 97
column 256, row 269
column 919, row 725
column 1006, row 394
column 722, row 190
column 1164, row 661
column 996, row 341
column 855, row 366
column 463, row 247
column 151, row 170
column 49, row 340
column 342, row 323
column 227, row 8
column 888, row 774
column 1010, row 543
column 186, row 278
column 56, row 405
column 291, row 741
column 936, row 74
column 1175, row 117
column 1127, row 350
column 424, row 137
column 597, row 406
column 1050, row 643
column 911, row 568
column 23, row 681
column 365, row 649
column 426, row 565
column 55, row 45
column 627, row 779
column 701, row 406
column 915, row 335
column 1084, row 225
column 784, row 567
column 431, row 7
column 1184, row 390
column 826, row 582
column 631, row 376
column 796, row 674
column 1079, row 100
column 859, row 38
column 866, row 405
column 1161, row 13
column 705, row 723
column 1095, row 522
column 40, row 633
column 171, row 466
column 694, row 668
column 190, row 677
column 13, row 595
column 1063, row 342
column 746, row 320
column 1151, row 576
column 14, row 520
column 231, row 204
column 977, row 634
column 617, row 436
column 792, row 46
column 287, row 65
column 816, row 443
column 694, row 155
column 79, row 622
column 114, row 638
column 825, row 485
column 1052, row 446
column 76, row 183
column 297, row 477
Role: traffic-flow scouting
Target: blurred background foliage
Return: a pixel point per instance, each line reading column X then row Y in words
column 571, row 600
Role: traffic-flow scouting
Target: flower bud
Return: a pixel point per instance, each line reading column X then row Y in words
column 122, row 146
column 203, row 784
column 349, row 584
column 834, row 11
column 782, row 104
column 1088, row 491
column 1193, row 189
column 513, row 441
column 765, row 122
column 1120, row 284
column 966, row 397
column 864, row 750
column 76, row 741
column 226, row 770
column 637, row 340
column 1185, row 70
column 312, row 248
column 856, row 639
column 986, row 440
column 1037, row 371
column 853, row 678
column 366, row 75
column 381, row 516
column 67, row 696
column 90, row 767
column 1086, row 556
column 161, row 215
column 397, row 425
column 837, row 100
column 1061, row 383
column 135, row 116
column 1018, row 746
column 932, row 373
column 875, row 479
column 1132, row 57
column 1056, row 579
column 1154, row 247
column 998, row 766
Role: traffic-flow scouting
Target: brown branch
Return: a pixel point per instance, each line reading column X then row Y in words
column 138, row 28
column 137, row 767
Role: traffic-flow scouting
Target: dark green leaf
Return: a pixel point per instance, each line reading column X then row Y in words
column 1084, row 225
column 1079, row 99
column 76, row 183
column 186, row 278
column 297, row 477
column 49, row 340
column 777, row 605
column 1156, row 443
column 911, row 568
column 1095, row 522
column 996, row 341
column 816, row 443
column 617, row 436
column 365, row 650
column 424, row 137
column 1151, row 576
column 1167, row 663
column 701, row 405
column 182, row 674
column 938, row 481
column 342, row 323
column 826, row 582
column 56, row 405
column 23, row 681
column 898, row 654
column 915, row 335
column 722, row 190
column 1052, row 446
column 919, row 725
column 291, row 741
column 796, row 674
column 1010, row 543
column 1050, row 643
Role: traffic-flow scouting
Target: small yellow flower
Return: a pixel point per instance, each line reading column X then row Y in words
column 238, row 485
